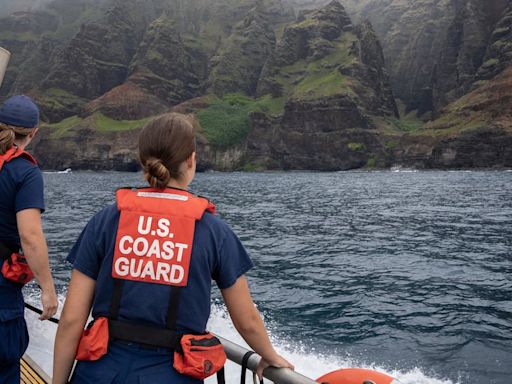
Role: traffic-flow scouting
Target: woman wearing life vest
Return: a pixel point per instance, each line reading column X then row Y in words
column 144, row 265
column 21, row 204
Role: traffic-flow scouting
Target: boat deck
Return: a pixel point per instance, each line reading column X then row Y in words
column 31, row 373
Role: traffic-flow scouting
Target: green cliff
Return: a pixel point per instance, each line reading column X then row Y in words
column 238, row 64
column 279, row 84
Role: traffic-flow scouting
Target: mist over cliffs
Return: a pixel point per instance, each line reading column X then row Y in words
column 297, row 84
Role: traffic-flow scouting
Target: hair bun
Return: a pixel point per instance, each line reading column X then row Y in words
column 157, row 175
column 7, row 137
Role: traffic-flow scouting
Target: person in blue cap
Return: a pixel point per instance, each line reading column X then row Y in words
column 21, row 205
column 145, row 267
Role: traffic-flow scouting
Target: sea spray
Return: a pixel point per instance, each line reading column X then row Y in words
column 411, row 272
column 309, row 363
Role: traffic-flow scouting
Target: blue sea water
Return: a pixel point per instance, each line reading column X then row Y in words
column 406, row 272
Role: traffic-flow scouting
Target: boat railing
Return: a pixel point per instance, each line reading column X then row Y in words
column 236, row 353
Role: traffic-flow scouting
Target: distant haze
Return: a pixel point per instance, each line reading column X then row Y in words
column 9, row 6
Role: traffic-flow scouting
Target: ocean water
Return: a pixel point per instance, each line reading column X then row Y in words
column 409, row 273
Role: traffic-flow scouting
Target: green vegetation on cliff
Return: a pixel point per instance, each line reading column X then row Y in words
column 311, row 79
column 408, row 121
column 356, row 146
column 226, row 121
column 106, row 124
column 97, row 121
column 62, row 129
column 271, row 90
column 238, row 63
column 271, row 105
column 55, row 100
column 19, row 36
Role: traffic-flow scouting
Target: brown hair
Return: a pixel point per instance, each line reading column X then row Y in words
column 164, row 144
column 10, row 133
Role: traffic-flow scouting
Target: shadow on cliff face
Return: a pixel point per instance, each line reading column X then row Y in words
column 323, row 102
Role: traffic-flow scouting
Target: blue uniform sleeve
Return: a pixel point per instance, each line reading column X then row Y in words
column 233, row 260
column 84, row 255
column 30, row 193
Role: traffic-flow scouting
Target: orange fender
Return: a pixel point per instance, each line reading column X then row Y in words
column 356, row 376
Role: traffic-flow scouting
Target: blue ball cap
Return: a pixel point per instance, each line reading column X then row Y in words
column 19, row 111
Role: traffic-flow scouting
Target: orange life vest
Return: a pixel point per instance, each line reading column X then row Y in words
column 154, row 245
column 155, row 234
column 13, row 153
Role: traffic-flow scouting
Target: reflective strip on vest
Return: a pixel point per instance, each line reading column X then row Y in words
column 155, row 235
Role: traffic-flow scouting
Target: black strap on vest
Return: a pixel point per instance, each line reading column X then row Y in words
column 245, row 360
column 172, row 307
column 149, row 335
column 117, row 292
column 221, row 377
column 144, row 334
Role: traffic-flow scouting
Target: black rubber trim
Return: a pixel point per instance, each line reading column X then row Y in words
column 205, row 342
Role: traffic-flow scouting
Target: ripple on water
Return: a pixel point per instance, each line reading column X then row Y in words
column 408, row 271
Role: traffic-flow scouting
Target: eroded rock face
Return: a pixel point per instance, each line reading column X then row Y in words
column 87, row 149
column 473, row 132
column 161, row 74
column 37, row 65
column 35, row 22
column 464, row 49
column 97, row 58
column 333, row 78
column 19, row 33
column 310, row 39
column 126, row 102
column 162, row 66
column 498, row 56
column 371, row 72
column 314, row 135
column 238, row 65
column 483, row 148
column 333, row 105
column 433, row 49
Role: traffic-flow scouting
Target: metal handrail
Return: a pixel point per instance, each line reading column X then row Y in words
column 236, row 352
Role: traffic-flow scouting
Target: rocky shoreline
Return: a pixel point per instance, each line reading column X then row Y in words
column 275, row 84
column 489, row 148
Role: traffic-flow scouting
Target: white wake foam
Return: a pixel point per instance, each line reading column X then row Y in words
column 310, row 363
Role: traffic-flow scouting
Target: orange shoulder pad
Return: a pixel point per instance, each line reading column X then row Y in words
column 173, row 201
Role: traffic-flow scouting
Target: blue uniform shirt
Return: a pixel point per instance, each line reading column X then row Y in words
column 21, row 187
column 216, row 254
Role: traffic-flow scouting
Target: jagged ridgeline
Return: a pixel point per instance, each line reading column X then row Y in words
column 250, row 71
column 275, row 84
